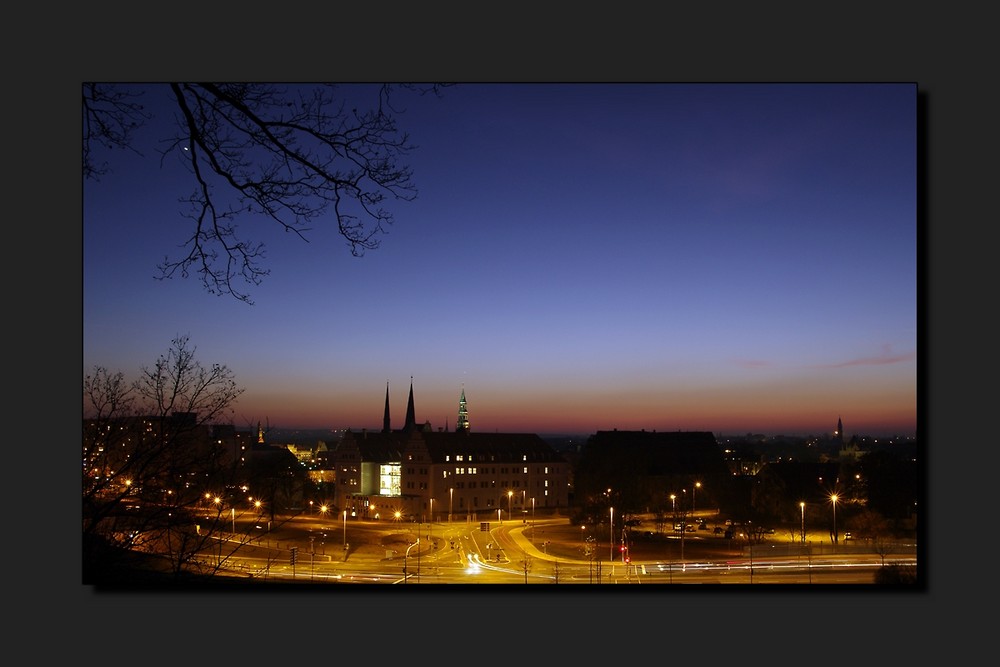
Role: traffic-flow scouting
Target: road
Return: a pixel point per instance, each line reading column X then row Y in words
column 545, row 552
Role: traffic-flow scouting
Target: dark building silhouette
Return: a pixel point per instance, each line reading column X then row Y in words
column 639, row 470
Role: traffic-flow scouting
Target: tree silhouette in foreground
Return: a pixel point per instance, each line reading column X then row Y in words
column 149, row 459
column 292, row 154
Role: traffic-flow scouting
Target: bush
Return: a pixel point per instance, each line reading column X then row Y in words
column 896, row 575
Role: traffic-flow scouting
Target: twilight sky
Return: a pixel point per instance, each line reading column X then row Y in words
column 732, row 258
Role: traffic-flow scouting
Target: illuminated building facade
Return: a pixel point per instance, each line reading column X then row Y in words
column 421, row 473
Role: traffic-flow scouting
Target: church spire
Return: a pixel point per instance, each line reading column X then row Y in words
column 385, row 419
column 463, row 414
column 411, row 418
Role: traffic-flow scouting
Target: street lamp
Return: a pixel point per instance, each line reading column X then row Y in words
column 802, row 506
column 673, row 504
column 345, row 530
column 451, row 499
column 406, row 556
column 833, row 499
column 697, row 485
column 510, row 496
column 432, row 510
column 611, row 535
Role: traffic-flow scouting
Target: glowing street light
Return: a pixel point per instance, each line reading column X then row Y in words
column 451, row 500
column 510, row 495
column 833, row 500
column 345, row 530
column 697, row 485
column 802, row 506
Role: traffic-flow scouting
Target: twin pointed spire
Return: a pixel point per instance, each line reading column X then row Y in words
column 386, row 428
column 411, row 418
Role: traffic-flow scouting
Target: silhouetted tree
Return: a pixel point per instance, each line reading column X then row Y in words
column 149, row 456
column 868, row 525
column 892, row 483
column 896, row 575
column 278, row 478
column 289, row 154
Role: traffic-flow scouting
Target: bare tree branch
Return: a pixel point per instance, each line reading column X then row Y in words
column 149, row 455
column 111, row 115
column 294, row 154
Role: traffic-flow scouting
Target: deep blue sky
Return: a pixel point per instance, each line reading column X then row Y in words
column 732, row 258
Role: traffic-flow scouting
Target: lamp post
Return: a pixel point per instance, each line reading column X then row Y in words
column 833, row 500
column 532, row 518
column 510, row 496
column 345, row 530
column 451, row 499
column 406, row 556
column 611, row 536
column 233, row 510
column 697, row 485
column 432, row 510
column 802, row 506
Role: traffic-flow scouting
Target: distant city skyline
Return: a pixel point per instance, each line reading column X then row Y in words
column 440, row 419
column 732, row 258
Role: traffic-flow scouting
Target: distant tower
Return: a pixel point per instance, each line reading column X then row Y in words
column 260, row 434
column 385, row 418
column 411, row 418
column 463, row 414
column 839, row 434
